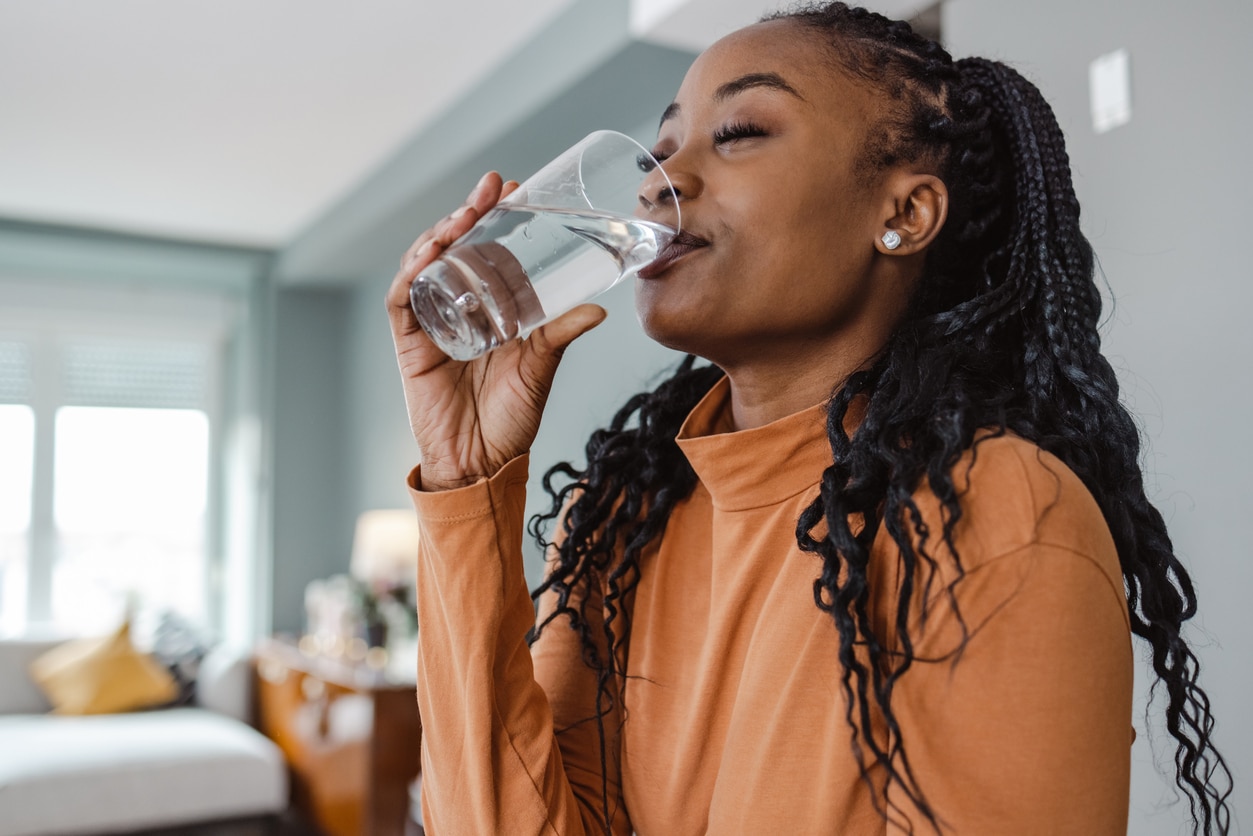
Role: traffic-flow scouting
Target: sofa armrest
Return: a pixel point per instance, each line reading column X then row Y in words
column 224, row 682
column 18, row 693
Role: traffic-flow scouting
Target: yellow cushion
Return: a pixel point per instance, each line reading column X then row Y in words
column 102, row 676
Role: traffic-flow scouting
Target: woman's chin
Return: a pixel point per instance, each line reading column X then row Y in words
column 682, row 337
column 670, row 328
column 667, row 317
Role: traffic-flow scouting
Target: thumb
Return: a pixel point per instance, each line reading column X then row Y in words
column 546, row 345
column 565, row 329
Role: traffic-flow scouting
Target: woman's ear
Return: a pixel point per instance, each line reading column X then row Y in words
column 916, row 213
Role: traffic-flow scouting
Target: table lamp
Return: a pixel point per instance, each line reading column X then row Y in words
column 385, row 548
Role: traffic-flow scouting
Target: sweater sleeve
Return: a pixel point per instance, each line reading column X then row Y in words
column 1027, row 729
column 490, row 760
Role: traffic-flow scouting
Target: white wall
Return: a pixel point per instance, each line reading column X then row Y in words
column 1164, row 205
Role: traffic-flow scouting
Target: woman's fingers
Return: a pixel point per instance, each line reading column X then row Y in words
column 484, row 196
column 431, row 244
column 397, row 303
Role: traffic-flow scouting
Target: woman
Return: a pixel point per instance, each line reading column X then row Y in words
column 872, row 569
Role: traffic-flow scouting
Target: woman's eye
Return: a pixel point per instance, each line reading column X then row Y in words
column 737, row 130
column 647, row 163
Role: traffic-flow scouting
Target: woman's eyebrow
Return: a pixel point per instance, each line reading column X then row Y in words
column 747, row 82
column 669, row 113
column 733, row 88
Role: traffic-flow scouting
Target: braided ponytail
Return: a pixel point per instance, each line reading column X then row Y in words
column 1074, row 394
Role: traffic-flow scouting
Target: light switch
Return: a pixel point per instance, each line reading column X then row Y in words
column 1109, row 81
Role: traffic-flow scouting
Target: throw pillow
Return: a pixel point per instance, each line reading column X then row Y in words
column 102, row 676
column 178, row 646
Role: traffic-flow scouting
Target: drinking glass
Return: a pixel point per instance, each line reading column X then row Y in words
column 569, row 233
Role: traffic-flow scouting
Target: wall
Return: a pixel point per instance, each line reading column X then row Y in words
column 312, row 532
column 1163, row 201
column 383, row 450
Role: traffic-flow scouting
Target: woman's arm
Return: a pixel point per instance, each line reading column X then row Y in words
column 1026, row 727
column 490, row 760
column 1028, row 731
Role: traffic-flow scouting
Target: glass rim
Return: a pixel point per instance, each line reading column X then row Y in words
column 638, row 150
column 657, row 166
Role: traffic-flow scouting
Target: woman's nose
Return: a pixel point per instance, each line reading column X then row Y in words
column 660, row 198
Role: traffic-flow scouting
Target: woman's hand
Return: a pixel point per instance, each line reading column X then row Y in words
column 471, row 418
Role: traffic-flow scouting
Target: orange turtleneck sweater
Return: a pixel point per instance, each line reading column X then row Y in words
column 735, row 721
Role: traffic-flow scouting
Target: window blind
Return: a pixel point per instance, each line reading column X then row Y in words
column 138, row 373
column 15, row 373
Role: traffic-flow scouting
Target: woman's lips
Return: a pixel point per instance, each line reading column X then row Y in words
column 679, row 246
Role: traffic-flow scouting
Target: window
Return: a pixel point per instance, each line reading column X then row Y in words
column 17, row 459
column 106, row 472
column 129, row 502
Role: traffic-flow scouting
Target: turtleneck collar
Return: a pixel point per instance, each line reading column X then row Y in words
column 758, row 467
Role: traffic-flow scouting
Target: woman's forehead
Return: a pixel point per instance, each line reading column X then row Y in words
column 773, row 46
column 777, row 54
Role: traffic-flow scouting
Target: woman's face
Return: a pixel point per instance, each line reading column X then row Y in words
column 762, row 143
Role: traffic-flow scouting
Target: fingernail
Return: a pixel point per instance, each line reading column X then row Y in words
column 424, row 250
column 463, row 209
column 478, row 187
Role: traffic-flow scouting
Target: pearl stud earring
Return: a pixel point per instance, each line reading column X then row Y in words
column 891, row 239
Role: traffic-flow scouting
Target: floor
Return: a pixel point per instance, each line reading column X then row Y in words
column 289, row 824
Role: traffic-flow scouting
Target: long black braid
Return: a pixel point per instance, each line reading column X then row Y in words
column 1002, row 333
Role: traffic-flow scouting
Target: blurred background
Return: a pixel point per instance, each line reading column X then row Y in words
column 201, row 206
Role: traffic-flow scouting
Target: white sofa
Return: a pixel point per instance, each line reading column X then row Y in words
column 122, row 773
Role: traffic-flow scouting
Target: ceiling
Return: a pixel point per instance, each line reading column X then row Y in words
column 242, row 122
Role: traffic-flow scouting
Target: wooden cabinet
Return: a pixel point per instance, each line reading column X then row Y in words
column 350, row 737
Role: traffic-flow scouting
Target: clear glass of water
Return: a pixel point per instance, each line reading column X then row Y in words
column 573, row 230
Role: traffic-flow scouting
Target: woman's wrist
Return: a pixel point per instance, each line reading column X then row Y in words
column 434, row 478
column 436, row 482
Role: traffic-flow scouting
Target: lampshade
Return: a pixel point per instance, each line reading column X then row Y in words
column 385, row 547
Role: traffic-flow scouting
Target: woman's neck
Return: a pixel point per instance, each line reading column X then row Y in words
column 765, row 392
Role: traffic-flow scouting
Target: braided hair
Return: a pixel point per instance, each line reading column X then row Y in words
column 1002, row 333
